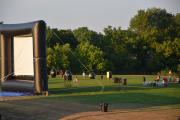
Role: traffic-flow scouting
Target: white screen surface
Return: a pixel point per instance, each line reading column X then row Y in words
column 23, row 56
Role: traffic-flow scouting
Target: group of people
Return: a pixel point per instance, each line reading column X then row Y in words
column 161, row 81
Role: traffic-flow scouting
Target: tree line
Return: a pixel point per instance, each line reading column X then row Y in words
column 150, row 44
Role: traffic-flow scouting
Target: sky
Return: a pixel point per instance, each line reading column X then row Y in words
column 71, row 14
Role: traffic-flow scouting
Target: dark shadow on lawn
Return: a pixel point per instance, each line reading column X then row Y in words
column 55, row 82
column 57, row 91
column 60, row 103
column 127, row 95
column 122, row 100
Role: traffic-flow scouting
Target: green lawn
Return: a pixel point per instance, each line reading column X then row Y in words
column 87, row 94
column 95, row 91
column 58, row 82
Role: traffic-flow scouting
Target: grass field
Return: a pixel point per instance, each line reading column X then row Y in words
column 87, row 94
column 94, row 91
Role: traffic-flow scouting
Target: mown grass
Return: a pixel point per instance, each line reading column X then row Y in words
column 58, row 82
column 87, row 94
column 95, row 91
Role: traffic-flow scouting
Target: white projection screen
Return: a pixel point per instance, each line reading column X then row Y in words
column 23, row 56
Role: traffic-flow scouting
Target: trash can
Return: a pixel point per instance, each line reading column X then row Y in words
column 178, row 118
column 125, row 81
column 104, row 107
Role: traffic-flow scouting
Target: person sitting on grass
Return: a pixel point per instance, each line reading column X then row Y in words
column 76, row 79
column 144, row 81
column 84, row 74
column 178, row 80
column 157, row 78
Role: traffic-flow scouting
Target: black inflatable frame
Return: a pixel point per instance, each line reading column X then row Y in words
column 9, row 82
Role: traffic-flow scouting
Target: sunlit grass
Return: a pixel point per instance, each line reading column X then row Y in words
column 94, row 91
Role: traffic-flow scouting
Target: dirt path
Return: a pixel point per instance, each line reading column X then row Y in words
column 161, row 114
column 40, row 109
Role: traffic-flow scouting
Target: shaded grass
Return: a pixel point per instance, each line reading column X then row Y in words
column 95, row 91
column 149, row 97
column 123, row 98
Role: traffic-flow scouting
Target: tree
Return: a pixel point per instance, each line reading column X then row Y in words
column 55, row 36
column 62, row 55
column 67, row 36
column 51, row 39
column 91, row 57
column 150, row 44
column 118, row 49
column 157, row 29
column 59, row 57
column 83, row 34
column 50, row 59
column 177, row 24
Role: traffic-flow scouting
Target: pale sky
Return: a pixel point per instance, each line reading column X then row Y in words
column 71, row 14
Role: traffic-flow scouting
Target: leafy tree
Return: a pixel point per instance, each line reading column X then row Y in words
column 67, row 36
column 83, row 34
column 157, row 28
column 177, row 25
column 118, row 49
column 51, row 39
column 150, row 44
column 50, row 59
column 90, row 56
column 59, row 57
column 62, row 53
column 55, row 36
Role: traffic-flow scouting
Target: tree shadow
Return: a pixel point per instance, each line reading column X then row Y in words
column 113, row 88
column 122, row 100
column 118, row 96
